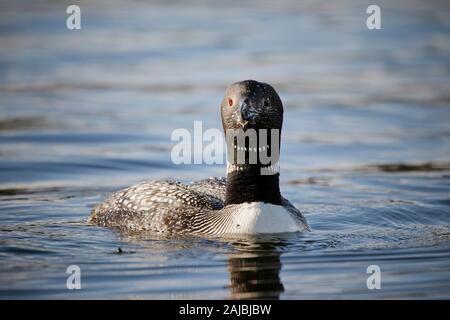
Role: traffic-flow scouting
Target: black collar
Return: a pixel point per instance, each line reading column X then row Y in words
column 249, row 185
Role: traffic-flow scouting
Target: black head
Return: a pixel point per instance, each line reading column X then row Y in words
column 251, row 113
column 251, row 104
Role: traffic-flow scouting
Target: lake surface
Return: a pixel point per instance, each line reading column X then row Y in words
column 365, row 151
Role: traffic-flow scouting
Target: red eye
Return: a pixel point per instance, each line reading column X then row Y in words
column 230, row 102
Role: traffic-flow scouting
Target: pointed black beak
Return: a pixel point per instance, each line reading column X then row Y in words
column 244, row 113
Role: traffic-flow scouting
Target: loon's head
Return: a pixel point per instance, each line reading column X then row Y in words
column 251, row 104
column 252, row 117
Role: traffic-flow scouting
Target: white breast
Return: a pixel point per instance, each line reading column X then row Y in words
column 259, row 217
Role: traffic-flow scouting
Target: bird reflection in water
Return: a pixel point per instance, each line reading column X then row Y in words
column 254, row 264
column 255, row 269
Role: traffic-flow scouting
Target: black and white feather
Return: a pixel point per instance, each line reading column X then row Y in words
column 172, row 207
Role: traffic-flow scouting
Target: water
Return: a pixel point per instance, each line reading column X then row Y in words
column 365, row 153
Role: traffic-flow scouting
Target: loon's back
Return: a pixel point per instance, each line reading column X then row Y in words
column 161, row 206
column 173, row 207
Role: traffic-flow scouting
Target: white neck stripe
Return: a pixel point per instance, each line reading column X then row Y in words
column 272, row 169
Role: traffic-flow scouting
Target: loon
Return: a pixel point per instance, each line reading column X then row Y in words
column 246, row 202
